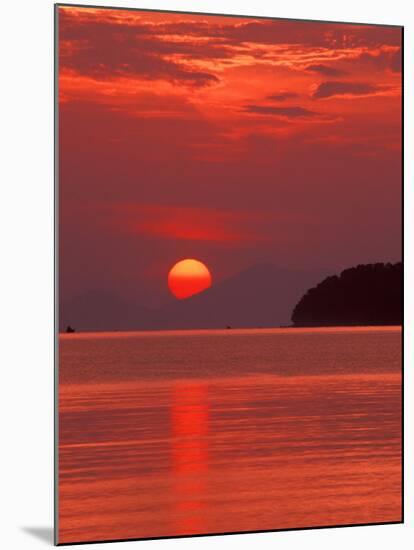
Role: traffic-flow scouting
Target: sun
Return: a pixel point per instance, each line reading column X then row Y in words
column 188, row 277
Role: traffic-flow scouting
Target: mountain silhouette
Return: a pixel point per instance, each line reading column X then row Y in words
column 101, row 310
column 260, row 296
column 369, row 294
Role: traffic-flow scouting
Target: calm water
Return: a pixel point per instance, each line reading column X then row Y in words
column 175, row 433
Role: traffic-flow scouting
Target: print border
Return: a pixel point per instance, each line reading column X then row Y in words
column 56, row 274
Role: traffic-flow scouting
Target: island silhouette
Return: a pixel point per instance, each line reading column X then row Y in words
column 369, row 294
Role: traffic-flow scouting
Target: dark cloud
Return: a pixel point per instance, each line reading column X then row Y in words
column 102, row 31
column 382, row 60
column 289, row 112
column 132, row 62
column 396, row 61
column 105, row 50
column 282, row 96
column 100, row 44
column 324, row 70
column 284, row 31
column 334, row 88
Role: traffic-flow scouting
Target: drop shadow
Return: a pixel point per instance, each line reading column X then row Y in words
column 44, row 534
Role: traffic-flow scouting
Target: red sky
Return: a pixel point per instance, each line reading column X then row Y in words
column 232, row 140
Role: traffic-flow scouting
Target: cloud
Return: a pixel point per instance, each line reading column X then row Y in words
column 105, row 50
column 324, row 70
column 334, row 88
column 106, row 44
column 282, row 96
column 186, row 223
column 382, row 59
column 276, row 31
column 288, row 112
column 396, row 61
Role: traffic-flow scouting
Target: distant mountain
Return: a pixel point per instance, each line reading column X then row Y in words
column 100, row 310
column 368, row 294
column 261, row 296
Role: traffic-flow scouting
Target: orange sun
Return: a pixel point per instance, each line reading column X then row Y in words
column 188, row 277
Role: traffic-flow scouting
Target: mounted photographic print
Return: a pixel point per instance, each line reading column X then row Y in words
column 229, row 274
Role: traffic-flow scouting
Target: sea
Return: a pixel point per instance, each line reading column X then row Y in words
column 214, row 431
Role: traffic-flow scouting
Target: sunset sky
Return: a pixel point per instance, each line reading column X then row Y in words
column 231, row 140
